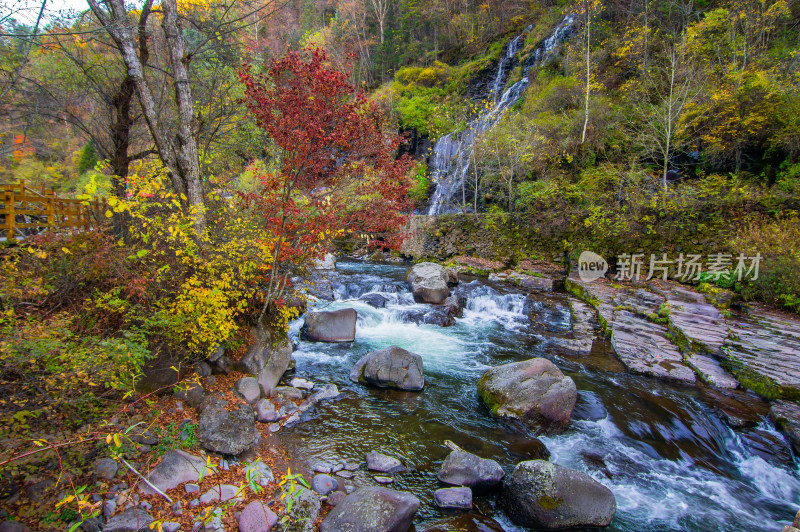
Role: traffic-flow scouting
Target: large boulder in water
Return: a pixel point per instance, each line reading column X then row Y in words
column 533, row 392
column 461, row 468
column 428, row 283
column 226, row 432
column 391, row 367
column 330, row 326
column 543, row 495
column 372, row 509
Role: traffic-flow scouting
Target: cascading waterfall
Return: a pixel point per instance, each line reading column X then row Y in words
column 452, row 153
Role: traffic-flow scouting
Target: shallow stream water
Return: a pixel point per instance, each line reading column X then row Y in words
column 670, row 460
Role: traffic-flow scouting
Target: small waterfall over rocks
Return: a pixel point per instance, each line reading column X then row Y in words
column 452, row 153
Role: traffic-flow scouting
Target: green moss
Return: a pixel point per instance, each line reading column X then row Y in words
column 549, row 503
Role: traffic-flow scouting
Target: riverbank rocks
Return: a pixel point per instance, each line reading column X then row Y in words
column 461, row 468
column 544, row 495
column 227, row 432
column 428, row 283
column 330, row 326
column 324, row 484
column 392, row 367
column 372, row 509
column 383, row 464
column 247, row 388
column 257, row 517
column 265, row 411
column 175, row 468
column 131, row 520
column 304, row 512
column 786, row 416
column 453, row 498
column 533, row 392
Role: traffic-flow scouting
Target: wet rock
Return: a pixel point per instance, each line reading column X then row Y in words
column 257, row 517
column 226, row 432
column 533, row 392
column 324, row 393
column 786, row 416
column 469, row 522
column 372, row 509
column 532, row 449
column 461, row 468
column 453, row 498
column 106, row 468
column 222, row 493
column 302, row 384
column 345, row 474
column 438, row 316
column 334, row 326
column 383, row 464
column 268, row 360
column 543, row 495
column 454, row 306
column 324, row 484
column 383, row 480
column 428, row 283
column 247, row 388
column 288, row 392
column 265, row 411
column 322, row 467
column 374, row 300
column 768, row 446
column 131, row 520
column 392, row 367
column 175, row 468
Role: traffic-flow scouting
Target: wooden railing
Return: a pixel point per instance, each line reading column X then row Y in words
column 27, row 211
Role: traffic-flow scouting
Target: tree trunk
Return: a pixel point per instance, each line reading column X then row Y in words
column 187, row 154
column 588, row 72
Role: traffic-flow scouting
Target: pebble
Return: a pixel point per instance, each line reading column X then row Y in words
column 322, row 467
column 275, row 427
column 224, row 465
column 349, row 488
column 191, row 488
column 337, row 467
column 106, row 468
column 177, row 508
column 194, row 503
column 351, row 466
column 170, row 526
column 146, row 505
column 345, row 474
column 383, row 480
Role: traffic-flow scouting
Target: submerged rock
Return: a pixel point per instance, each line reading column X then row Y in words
column 453, row 498
column 372, row 509
column 469, row 522
column 374, row 300
column 544, row 495
column 383, row 464
column 533, row 392
column 330, row 326
column 461, row 468
column 392, row 367
column 428, row 283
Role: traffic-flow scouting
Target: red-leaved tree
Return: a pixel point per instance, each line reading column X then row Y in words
column 337, row 176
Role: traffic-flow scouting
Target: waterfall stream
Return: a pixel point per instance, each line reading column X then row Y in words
column 452, row 153
column 664, row 451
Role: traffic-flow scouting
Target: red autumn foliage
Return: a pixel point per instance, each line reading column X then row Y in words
column 338, row 173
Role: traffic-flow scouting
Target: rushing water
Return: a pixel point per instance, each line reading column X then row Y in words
column 670, row 461
column 452, row 153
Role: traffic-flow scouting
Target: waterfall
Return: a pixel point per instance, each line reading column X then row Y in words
column 452, row 153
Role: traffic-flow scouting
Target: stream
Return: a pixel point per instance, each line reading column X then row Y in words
column 669, row 459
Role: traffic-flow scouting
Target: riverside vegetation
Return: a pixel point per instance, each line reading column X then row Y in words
column 233, row 170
